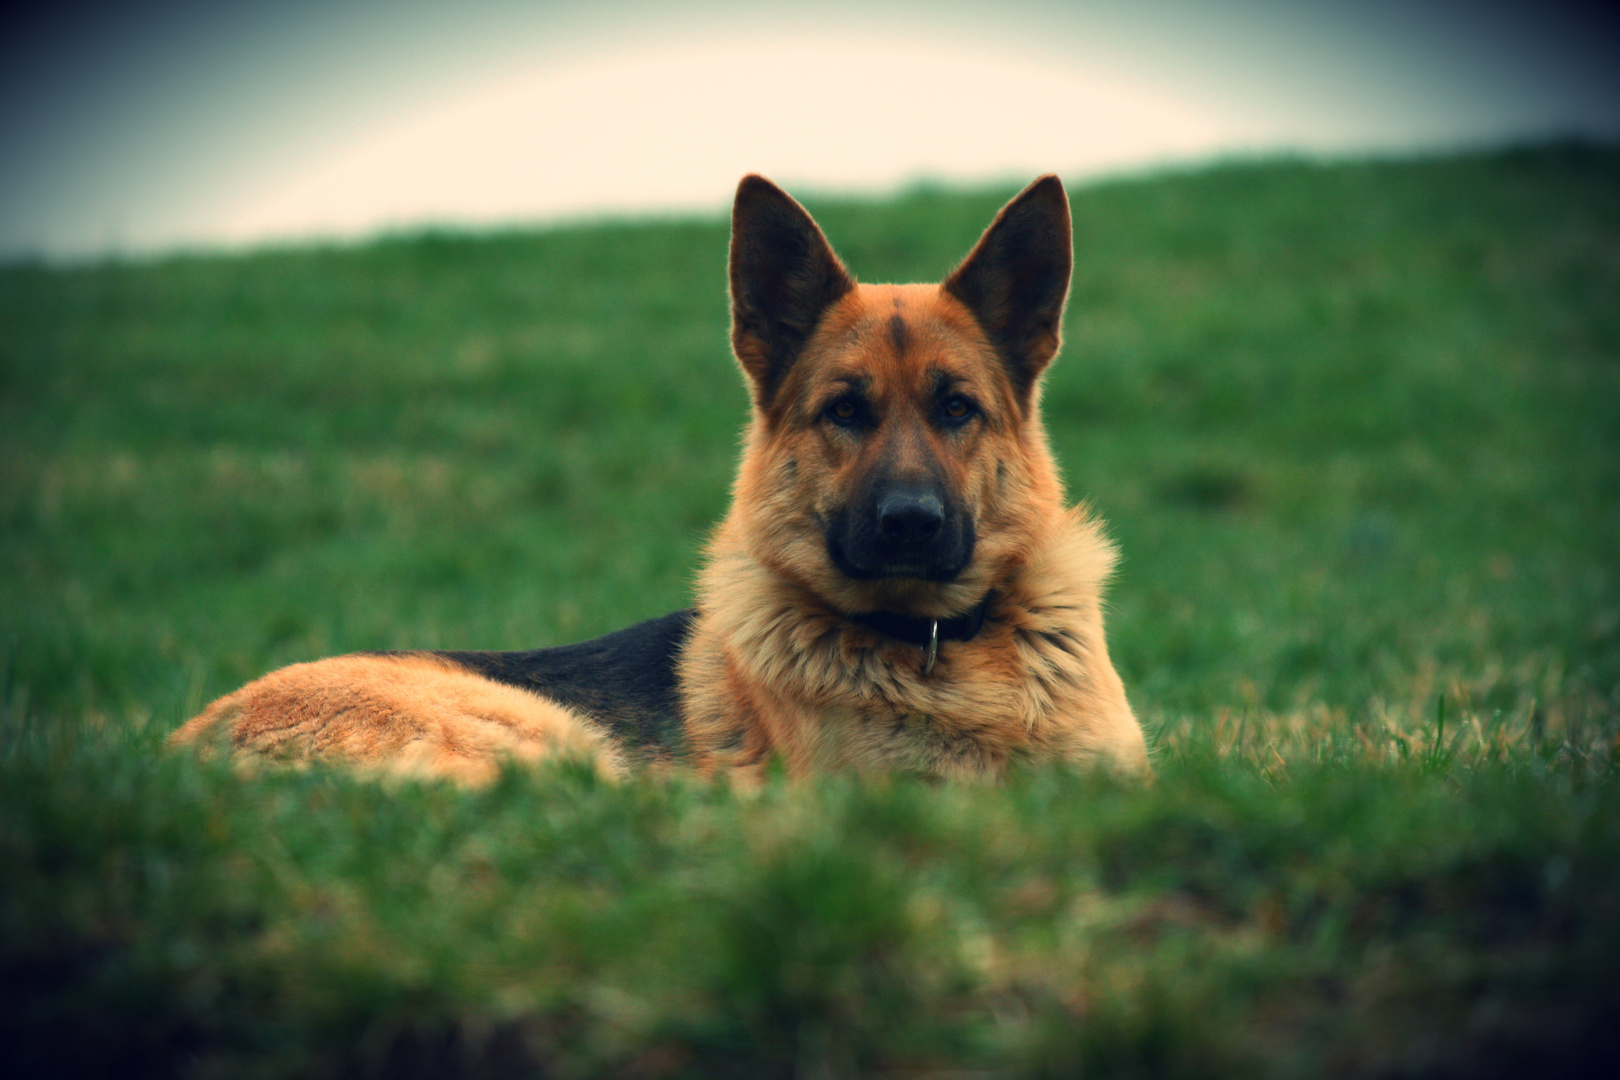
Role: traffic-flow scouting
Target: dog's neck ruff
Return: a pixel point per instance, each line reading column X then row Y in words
column 927, row 633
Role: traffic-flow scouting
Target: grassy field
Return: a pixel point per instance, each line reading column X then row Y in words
column 1355, row 427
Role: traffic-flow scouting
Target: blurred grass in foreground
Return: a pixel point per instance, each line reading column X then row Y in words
column 1355, row 427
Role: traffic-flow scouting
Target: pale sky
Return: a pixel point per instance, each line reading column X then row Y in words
column 138, row 128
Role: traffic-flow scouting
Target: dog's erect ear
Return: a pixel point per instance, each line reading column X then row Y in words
column 1016, row 278
column 783, row 277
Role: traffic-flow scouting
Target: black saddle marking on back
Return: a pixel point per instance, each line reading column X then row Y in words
column 625, row 680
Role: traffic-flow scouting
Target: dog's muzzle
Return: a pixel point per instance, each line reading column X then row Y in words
column 901, row 531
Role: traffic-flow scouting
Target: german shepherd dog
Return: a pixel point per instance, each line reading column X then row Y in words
column 898, row 586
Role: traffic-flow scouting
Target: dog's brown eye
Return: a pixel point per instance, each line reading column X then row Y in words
column 958, row 408
column 844, row 409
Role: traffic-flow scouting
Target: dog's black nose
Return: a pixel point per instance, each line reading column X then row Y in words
column 906, row 517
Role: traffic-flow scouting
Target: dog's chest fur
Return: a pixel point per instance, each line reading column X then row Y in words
column 768, row 673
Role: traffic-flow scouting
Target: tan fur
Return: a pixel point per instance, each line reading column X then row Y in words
column 774, row 667
column 406, row 715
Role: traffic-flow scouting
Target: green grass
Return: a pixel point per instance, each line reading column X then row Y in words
column 1355, row 427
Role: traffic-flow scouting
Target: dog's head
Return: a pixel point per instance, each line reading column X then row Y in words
column 896, row 460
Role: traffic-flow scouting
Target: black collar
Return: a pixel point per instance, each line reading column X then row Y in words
column 920, row 631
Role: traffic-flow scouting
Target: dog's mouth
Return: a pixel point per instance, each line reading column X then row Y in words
column 865, row 554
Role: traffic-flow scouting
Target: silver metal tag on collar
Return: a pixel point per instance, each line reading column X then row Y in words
column 931, row 650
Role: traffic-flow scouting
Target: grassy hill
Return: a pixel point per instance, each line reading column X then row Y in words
column 1355, row 427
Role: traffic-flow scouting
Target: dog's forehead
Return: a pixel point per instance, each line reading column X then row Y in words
column 899, row 333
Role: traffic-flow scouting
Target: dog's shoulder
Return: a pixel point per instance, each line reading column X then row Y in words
column 625, row 681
